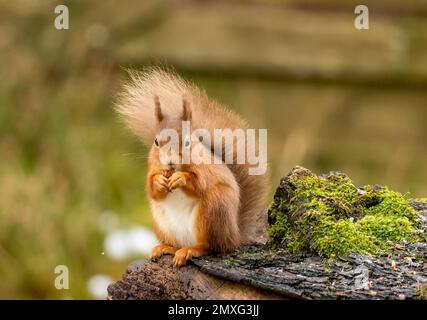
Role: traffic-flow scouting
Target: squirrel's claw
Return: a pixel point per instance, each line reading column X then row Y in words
column 160, row 250
column 177, row 180
column 161, row 183
column 181, row 257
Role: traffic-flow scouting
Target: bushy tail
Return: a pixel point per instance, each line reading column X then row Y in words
column 136, row 106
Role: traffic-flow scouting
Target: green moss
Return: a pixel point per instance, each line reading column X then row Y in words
column 330, row 216
column 423, row 200
column 231, row 262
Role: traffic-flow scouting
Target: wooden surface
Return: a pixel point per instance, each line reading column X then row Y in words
column 160, row 281
column 258, row 273
column 400, row 276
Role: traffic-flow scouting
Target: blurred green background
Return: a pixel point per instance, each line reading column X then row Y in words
column 331, row 97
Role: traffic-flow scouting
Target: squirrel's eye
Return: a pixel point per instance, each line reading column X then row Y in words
column 156, row 142
column 187, row 143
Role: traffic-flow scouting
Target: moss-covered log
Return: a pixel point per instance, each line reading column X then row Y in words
column 329, row 216
column 295, row 264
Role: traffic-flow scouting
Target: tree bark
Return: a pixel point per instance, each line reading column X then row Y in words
column 158, row 280
column 256, row 272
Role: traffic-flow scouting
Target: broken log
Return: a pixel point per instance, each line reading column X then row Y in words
column 259, row 272
column 159, row 280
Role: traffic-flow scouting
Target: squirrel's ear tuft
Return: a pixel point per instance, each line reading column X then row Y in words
column 158, row 109
column 186, row 110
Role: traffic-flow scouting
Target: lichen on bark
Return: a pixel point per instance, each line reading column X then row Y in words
column 330, row 216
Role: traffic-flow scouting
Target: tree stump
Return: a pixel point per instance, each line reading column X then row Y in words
column 258, row 272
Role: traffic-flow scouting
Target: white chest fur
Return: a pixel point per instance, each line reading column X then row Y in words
column 176, row 216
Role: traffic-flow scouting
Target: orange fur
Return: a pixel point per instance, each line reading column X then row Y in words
column 227, row 198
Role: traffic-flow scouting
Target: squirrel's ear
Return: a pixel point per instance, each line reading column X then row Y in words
column 158, row 109
column 186, row 110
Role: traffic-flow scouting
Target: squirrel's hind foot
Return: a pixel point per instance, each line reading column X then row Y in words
column 160, row 250
column 184, row 254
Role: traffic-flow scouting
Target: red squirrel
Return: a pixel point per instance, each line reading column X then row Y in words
column 197, row 209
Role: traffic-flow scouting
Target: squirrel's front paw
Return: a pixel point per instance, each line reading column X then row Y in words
column 177, row 180
column 160, row 183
